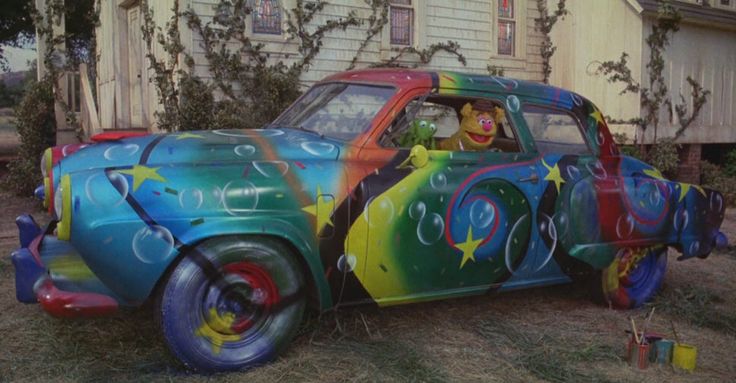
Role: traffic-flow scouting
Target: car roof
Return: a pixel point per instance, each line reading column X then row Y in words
column 449, row 79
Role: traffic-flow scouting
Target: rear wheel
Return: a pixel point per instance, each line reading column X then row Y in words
column 633, row 277
column 232, row 303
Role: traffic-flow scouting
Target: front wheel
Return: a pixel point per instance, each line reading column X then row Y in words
column 232, row 303
column 633, row 277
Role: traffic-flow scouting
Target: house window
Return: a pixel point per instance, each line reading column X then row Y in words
column 506, row 28
column 267, row 17
column 726, row 2
column 402, row 22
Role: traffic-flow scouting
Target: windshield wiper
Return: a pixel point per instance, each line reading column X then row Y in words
column 301, row 128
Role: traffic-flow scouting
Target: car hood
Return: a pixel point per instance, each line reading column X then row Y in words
column 196, row 148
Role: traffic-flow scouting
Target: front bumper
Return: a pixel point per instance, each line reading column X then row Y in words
column 50, row 272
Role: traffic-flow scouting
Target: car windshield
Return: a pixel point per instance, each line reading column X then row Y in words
column 336, row 110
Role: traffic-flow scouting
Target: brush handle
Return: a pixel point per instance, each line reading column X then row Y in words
column 646, row 323
column 677, row 338
column 636, row 333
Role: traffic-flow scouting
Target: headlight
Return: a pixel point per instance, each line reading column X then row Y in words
column 46, row 162
column 63, row 208
column 58, row 203
column 46, row 165
column 46, row 192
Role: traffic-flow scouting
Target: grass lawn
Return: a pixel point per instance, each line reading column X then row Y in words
column 548, row 334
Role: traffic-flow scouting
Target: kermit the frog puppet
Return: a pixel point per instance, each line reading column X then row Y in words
column 477, row 128
column 421, row 132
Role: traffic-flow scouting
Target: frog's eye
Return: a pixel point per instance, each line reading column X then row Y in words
column 433, row 127
column 422, row 124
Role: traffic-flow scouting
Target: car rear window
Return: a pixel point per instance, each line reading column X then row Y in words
column 554, row 130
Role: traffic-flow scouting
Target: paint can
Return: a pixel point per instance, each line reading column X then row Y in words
column 684, row 356
column 651, row 339
column 639, row 359
column 663, row 350
column 629, row 347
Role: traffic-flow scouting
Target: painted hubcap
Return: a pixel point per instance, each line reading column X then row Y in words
column 243, row 302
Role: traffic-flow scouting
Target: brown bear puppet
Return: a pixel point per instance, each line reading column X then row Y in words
column 477, row 128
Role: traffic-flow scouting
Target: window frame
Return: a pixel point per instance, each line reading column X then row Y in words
column 518, row 59
column 412, row 23
column 418, row 39
column 511, row 19
column 250, row 26
column 497, row 100
column 582, row 128
column 729, row 7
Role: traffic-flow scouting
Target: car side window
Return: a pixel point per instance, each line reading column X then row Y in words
column 451, row 123
column 555, row 131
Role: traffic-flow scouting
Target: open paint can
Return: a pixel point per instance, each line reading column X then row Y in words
column 684, row 356
column 639, row 356
column 663, row 350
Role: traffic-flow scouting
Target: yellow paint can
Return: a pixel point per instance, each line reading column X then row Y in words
column 684, row 356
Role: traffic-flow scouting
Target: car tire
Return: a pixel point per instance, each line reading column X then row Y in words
column 633, row 278
column 232, row 303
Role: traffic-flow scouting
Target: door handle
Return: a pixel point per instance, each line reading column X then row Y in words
column 534, row 178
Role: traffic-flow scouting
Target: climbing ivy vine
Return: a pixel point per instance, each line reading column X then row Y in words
column 654, row 95
column 36, row 113
column 544, row 23
column 252, row 87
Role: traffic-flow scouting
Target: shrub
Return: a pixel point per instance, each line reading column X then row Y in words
column 714, row 177
column 730, row 165
column 36, row 126
column 625, row 148
column 196, row 104
column 663, row 156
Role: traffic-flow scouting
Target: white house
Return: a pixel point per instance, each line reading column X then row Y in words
column 489, row 32
column 704, row 48
column 499, row 33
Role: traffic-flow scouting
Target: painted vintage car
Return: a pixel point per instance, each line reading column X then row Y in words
column 232, row 233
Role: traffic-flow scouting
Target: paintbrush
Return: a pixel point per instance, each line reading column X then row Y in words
column 633, row 327
column 646, row 325
column 677, row 338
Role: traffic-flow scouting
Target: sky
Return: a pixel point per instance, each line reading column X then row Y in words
column 18, row 57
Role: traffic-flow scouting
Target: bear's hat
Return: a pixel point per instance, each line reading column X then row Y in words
column 483, row 106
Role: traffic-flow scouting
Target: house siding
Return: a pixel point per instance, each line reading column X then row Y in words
column 709, row 56
column 469, row 22
column 594, row 32
column 705, row 52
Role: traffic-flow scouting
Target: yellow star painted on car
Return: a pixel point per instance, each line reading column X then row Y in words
column 142, row 173
column 216, row 329
column 685, row 187
column 468, row 247
column 654, row 173
column 322, row 209
column 553, row 175
column 187, row 135
column 598, row 116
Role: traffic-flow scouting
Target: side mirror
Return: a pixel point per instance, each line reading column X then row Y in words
column 418, row 158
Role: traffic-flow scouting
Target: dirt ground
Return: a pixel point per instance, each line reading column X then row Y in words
column 547, row 334
column 9, row 139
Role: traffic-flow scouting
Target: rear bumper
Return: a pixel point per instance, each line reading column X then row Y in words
column 34, row 282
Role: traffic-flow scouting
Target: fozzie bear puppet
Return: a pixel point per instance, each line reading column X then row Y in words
column 477, row 128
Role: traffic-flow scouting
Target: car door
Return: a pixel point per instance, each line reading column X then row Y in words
column 571, row 175
column 459, row 223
